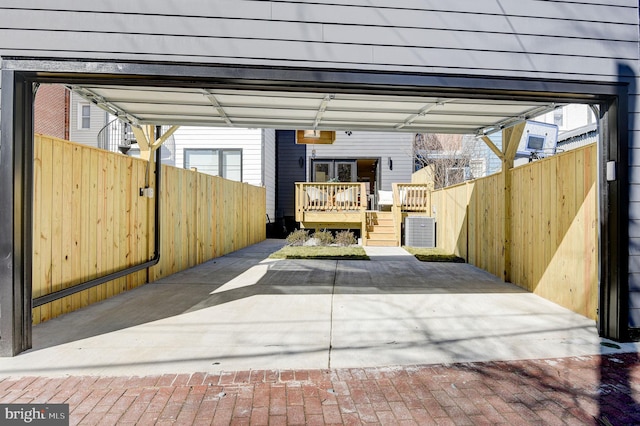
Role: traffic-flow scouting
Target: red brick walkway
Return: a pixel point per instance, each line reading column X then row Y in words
column 583, row 390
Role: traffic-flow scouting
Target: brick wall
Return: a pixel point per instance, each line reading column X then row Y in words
column 51, row 111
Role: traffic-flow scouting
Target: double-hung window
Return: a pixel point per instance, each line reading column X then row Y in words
column 84, row 116
column 226, row 163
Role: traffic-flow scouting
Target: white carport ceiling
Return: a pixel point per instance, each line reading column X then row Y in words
column 309, row 110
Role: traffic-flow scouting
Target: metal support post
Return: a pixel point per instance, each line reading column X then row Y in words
column 16, row 191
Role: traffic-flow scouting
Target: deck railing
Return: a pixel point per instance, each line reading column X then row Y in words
column 345, row 196
column 341, row 196
column 412, row 197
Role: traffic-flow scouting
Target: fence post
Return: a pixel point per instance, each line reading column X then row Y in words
column 510, row 140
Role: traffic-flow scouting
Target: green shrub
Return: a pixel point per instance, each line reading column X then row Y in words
column 345, row 238
column 298, row 237
column 324, row 237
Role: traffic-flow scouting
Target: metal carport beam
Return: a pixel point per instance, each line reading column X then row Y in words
column 110, row 107
column 322, row 109
column 424, row 111
column 214, row 101
column 512, row 121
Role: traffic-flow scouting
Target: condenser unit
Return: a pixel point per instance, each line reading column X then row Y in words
column 420, row 231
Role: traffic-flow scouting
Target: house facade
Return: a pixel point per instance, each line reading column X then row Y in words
column 388, row 158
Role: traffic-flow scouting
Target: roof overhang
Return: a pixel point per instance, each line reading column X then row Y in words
column 309, row 109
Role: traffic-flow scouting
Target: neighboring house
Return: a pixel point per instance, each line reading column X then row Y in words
column 61, row 113
column 576, row 138
column 51, row 111
column 569, row 117
column 85, row 120
column 448, row 159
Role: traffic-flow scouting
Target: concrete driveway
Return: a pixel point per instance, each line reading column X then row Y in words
column 244, row 311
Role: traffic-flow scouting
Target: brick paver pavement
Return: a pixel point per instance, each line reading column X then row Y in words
column 579, row 390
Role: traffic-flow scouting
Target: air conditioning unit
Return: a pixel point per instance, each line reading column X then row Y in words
column 420, row 231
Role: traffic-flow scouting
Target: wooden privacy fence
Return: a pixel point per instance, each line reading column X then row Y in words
column 204, row 217
column 554, row 227
column 89, row 220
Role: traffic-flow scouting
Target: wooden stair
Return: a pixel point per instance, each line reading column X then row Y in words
column 381, row 230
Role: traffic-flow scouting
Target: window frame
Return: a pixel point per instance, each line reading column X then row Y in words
column 220, row 151
column 81, row 116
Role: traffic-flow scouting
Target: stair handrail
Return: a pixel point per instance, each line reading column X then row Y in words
column 116, row 136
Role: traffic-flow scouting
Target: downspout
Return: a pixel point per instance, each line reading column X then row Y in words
column 47, row 298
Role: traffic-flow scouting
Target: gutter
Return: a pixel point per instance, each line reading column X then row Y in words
column 47, row 298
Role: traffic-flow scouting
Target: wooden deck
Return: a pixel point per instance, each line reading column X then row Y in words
column 344, row 206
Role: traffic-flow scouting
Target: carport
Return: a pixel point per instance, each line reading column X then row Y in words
column 153, row 93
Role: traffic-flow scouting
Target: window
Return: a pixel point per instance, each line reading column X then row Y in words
column 84, row 116
column 217, row 162
column 558, row 117
column 334, row 171
column 478, row 168
column 454, row 176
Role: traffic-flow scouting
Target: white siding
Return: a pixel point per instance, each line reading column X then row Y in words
column 573, row 116
column 397, row 146
column 258, row 152
column 269, row 170
column 484, row 37
column 250, row 140
column 98, row 120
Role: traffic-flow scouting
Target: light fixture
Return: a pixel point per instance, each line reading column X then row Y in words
column 312, row 134
column 390, row 162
